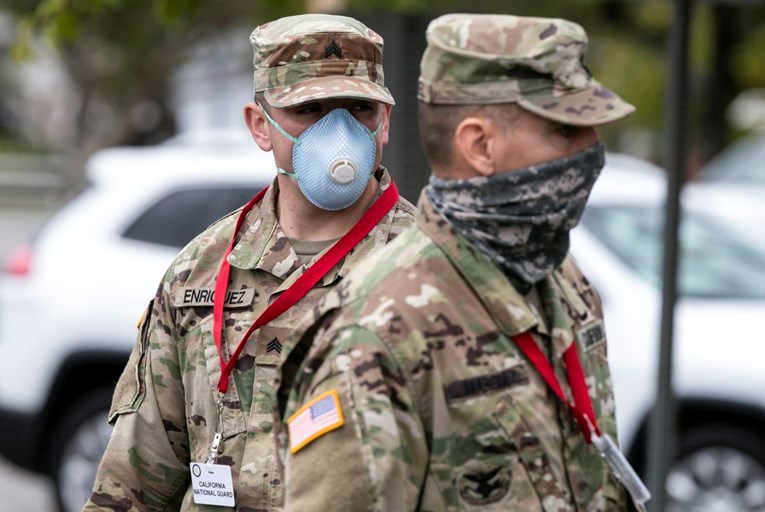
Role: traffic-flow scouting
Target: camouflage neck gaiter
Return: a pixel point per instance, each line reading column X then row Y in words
column 521, row 219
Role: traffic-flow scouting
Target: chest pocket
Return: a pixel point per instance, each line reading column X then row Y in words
column 494, row 461
column 480, row 468
column 200, row 370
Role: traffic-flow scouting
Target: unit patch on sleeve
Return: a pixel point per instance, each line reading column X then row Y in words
column 205, row 296
column 319, row 416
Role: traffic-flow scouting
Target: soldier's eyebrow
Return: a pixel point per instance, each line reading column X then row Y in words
column 306, row 106
column 363, row 103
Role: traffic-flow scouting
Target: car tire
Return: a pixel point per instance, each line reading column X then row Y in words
column 78, row 443
column 719, row 467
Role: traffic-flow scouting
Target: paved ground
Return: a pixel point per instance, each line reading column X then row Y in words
column 24, row 492
column 21, row 491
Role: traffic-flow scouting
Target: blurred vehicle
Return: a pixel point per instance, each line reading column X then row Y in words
column 732, row 188
column 718, row 350
column 69, row 302
column 742, row 162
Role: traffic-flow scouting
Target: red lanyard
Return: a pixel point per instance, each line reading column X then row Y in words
column 300, row 287
column 582, row 406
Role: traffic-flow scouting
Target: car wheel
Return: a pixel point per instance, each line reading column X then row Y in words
column 720, row 468
column 79, row 442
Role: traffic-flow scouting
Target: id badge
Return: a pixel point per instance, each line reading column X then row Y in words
column 622, row 470
column 212, row 484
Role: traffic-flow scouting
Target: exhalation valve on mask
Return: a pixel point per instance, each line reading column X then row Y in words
column 342, row 171
column 333, row 159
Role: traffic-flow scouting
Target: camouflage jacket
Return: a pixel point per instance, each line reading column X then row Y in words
column 165, row 402
column 410, row 394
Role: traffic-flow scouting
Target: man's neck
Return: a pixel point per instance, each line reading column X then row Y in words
column 302, row 220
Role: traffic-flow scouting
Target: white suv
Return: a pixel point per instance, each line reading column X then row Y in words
column 69, row 302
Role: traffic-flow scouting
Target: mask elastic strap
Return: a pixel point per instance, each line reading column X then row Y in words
column 374, row 133
column 279, row 170
column 297, row 142
column 281, row 130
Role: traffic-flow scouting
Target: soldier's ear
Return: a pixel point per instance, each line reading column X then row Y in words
column 385, row 126
column 473, row 146
column 257, row 123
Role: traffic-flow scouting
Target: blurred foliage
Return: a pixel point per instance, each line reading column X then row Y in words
column 118, row 54
column 152, row 23
column 749, row 57
column 14, row 145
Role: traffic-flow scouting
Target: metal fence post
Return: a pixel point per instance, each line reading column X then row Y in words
column 662, row 433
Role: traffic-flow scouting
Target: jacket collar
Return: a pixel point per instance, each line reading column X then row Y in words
column 509, row 308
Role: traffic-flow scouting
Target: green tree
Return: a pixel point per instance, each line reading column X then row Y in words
column 120, row 55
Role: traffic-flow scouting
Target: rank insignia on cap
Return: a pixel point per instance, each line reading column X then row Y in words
column 319, row 416
column 333, row 49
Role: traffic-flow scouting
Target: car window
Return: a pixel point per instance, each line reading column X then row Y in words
column 743, row 162
column 181, row 215
column 713, row 263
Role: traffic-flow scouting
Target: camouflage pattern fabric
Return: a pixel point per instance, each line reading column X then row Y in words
column 317, row 56
column 442, row 412
column 165, row 402
column 535, row 62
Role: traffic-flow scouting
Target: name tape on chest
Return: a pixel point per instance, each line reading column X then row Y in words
column 486, row 383
column 319, row 416
column 206, row 296
column 592, row 335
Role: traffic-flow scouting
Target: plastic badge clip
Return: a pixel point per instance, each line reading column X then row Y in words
column 621, row 468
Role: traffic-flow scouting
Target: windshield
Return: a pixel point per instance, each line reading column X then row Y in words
column 712, row 264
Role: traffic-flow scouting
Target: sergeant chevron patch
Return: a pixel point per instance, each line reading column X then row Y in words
column 333, row 49
column 274, row 346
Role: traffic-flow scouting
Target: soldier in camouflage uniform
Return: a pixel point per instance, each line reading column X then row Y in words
column 411, row 390
column 165, row 405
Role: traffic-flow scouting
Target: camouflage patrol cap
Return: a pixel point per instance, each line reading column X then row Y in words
column 315, row 56
column 535, row 62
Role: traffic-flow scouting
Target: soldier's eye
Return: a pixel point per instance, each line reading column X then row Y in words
column 568, row 131
column 363, row 107
column 308, row 108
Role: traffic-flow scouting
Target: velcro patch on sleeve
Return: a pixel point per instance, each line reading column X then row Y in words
column 319, row 416
column 142, row 319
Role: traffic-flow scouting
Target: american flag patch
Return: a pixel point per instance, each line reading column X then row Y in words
column 319, row 416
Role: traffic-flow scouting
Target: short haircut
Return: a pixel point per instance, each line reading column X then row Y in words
column 260, row 99
column 438, row 123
